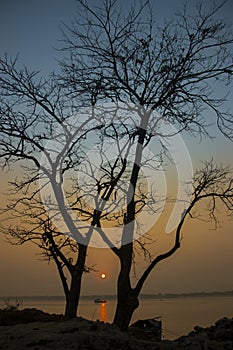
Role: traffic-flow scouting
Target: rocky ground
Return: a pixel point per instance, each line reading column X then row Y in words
column 35, row 330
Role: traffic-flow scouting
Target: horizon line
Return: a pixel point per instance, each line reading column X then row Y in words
column 154, row 295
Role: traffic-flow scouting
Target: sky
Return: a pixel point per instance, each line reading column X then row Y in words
column 204, row 263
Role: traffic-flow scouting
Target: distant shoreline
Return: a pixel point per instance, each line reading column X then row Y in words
column 142, row 297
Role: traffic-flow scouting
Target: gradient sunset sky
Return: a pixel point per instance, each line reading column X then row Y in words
column 204, row 262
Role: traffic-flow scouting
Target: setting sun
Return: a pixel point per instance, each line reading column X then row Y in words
column 103, row 276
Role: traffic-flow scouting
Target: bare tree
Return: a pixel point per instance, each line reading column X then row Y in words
column 32, row 112
column 120, row 57
column 122, row 79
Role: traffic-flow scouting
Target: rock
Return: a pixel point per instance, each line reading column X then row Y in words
column 8, row 317
column 222, row 322
column 198, row 329
column 81, row 334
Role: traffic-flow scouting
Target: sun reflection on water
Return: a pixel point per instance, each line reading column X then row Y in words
column 103, row 316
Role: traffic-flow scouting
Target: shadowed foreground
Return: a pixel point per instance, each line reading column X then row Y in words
column 36, row 330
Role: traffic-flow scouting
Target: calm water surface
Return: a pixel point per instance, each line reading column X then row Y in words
column 179, row 315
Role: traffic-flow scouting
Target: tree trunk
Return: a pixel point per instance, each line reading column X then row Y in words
column 73, row 294
column 125, row 309
column 127, row 297
column 72, row 297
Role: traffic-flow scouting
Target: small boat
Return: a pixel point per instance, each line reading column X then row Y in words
column 100, row 301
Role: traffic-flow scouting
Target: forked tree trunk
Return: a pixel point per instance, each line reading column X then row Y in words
column 127, row 298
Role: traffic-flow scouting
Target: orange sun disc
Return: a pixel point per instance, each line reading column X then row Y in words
column 103, row 275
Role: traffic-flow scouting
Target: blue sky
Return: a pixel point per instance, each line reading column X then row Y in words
column 31, row 27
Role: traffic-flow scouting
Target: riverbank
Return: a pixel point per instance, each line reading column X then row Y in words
column 42, row 331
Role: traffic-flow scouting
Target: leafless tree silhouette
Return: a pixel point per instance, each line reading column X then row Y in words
column 122, row 79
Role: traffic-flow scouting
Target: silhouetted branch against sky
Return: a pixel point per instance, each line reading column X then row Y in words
column 172, row 68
